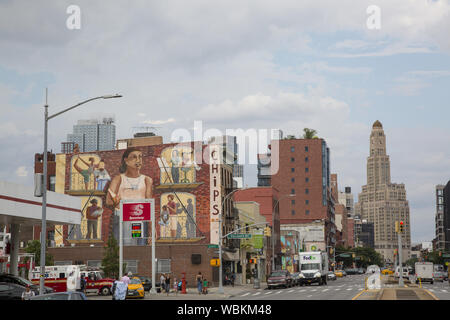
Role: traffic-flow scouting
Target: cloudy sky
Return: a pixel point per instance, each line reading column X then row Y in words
column 238, row 64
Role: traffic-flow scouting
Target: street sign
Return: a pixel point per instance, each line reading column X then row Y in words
column 214, row 246
column 240, row 236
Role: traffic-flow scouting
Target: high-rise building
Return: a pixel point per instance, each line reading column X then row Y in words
column 382, row 202
column 439, row 219
column 446, row 200
column 303, row 183
column 364, row 234
column 92, row 135
column 346, row 198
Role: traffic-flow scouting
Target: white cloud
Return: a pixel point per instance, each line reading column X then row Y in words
column 22, row 171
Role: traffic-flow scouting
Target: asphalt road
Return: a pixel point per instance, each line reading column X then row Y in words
column 344, row 288
column 440, row 289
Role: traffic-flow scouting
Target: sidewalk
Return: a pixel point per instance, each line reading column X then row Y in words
column 192, row 293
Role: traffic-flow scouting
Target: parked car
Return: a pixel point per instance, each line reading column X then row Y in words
column 296, row 278
column 331, row 276
column 405, row 272
column 11, row 291
column 6, row 277
column 279, row 278
column 361, row 271
column 135, row 289
column 68, row 295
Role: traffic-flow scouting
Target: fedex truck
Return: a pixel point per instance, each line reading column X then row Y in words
column 313, row 267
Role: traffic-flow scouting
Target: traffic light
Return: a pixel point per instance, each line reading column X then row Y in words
column 401, row 227
column 252, row 261
column 267, row 231
column 440, row 253
column 397, row 229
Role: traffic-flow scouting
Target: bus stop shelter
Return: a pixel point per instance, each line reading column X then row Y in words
column 19, row 207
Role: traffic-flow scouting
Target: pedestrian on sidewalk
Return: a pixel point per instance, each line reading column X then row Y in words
column 175, row 285
column 162, row 281
column 199, row 279
column 205, row 286
column 168, row 284
column 232, row 277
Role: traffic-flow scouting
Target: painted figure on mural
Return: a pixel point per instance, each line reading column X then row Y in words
column 176, row 162
column 164, row 222
column 86, row 173
column 190, row 225
column 93, row 212
column 172, row 207
column 101, row 176
column 129, row 185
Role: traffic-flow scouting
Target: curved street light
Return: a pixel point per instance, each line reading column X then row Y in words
column 44, row 194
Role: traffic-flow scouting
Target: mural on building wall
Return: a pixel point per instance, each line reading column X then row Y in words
column 91, row 220
column 177, row 218
column 129, row 184
column 177, row 165
column 88, row 173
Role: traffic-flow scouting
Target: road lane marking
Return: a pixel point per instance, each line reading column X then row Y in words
column 313, row 290
column 443, row 290
column 337, row 289
column 302, row 290
column 290, row 291
column 246, row 294
column 324, row 290
column 257, row 293
column 278, row 292
column 269, row 292
column 349, row 289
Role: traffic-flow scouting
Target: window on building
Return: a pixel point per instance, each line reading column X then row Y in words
column 94, row 263
column 306, row 169
column 307, row 191
column 292, row 149
column 293, row 202
column 306, row 159
column 292, row 159
column 293, row 212
column 292, row 191
column 163, row 266
column 306, row 201
column 307, row 212
column 306, row 149
column 306, row 179
column 292, row 169
column 292, row 179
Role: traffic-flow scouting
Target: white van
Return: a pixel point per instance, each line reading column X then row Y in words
column 405, row 272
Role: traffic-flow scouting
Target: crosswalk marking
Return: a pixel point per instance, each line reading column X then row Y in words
column 257, row 293
column 302, row 290
column 245, row 294
column 349, row 289
column 269, row 292
column 278, row 292
column 291, row 291
column 443, row 290
column 324, row 290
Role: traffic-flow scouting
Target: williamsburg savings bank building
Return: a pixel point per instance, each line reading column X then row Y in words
column 187, row 182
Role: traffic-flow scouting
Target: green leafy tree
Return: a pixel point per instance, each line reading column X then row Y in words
column 110, row 261
column 434, row 257
column 309, row 133
column 34, row 247
column 411, row 262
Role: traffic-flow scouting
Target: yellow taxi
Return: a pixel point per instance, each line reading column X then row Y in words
column 339, row 273
column 135, row 289
column 387, row 271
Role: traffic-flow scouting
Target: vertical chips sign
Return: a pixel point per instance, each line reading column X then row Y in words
column 215, row 156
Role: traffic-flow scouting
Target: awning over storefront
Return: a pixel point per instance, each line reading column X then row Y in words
column 230, row 256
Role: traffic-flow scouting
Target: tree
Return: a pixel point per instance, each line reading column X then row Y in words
column 411, row 262
column 309, row 133
column 110, row 262
column 35, row 247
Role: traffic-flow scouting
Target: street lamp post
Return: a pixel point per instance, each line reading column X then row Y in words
column 44, row 194
column 273, row 226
